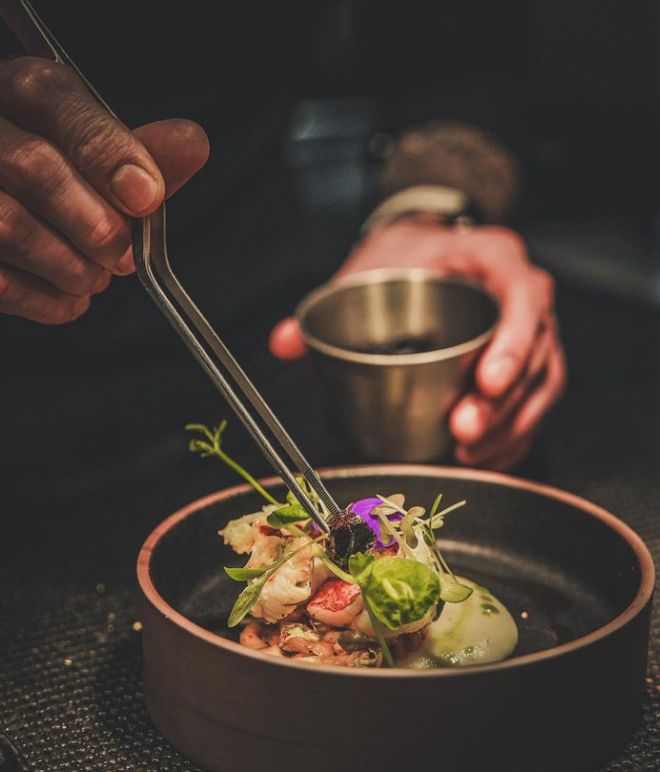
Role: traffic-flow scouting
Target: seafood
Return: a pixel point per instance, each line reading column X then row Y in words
column 387, row 610
column 371, row 592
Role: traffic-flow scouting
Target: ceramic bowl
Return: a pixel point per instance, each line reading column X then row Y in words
column 577, row 580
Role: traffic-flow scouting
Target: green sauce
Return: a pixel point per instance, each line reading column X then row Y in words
column 474, row 632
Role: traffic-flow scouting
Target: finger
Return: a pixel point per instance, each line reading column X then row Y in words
column 50, row 100
column 522, row 423
column 523, row 303
column 22, row 294
column 545, row 396
column 286, row 341
column 34, row 172
column 28, row 244
column 505, row 455
column 475, row 416
column 179, row 147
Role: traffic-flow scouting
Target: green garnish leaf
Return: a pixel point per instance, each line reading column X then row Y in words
column 243, row 574
column 249, row 597
column 291, row 513
column 435, row 506
column 454, row 592
column 398, row 591
column 359, row 566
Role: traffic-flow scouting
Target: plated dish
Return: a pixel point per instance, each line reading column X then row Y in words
column 577, row 581
column 375, row 591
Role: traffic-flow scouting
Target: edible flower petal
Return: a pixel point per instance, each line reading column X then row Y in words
column 364, row 507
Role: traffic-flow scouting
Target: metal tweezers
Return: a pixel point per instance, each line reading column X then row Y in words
column 162, row 286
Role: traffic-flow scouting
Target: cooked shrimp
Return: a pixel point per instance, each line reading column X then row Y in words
column 336, row 603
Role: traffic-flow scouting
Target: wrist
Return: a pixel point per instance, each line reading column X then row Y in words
column 458, row 156
column 427, row 204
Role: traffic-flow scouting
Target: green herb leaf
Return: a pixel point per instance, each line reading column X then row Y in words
column 249, row 597
column 243, row 574
column 454, row 592
column 401, row 591
column 435, row 506
column 398, row 591
column 292, row 513
column 359, row 566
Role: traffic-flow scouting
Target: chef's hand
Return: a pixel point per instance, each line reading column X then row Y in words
column 70, row 175
column 521, row 373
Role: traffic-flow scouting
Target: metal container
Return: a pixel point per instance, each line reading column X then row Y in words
column 578, row 581
column 399, row 348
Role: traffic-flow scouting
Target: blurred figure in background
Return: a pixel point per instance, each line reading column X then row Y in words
column 496, row 113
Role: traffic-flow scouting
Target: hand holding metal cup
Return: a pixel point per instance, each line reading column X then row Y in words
column 399, row 348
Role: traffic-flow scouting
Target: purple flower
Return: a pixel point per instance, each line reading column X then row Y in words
column 364, row 507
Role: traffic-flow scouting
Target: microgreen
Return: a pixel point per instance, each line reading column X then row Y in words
column 243, row 574
column 213, row 447
column 287, row 515
column 454, row 592
column 438, row 520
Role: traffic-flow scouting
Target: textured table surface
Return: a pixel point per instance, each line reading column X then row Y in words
column 70, row 665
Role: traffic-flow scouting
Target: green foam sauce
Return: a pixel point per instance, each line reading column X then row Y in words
column 475, row 632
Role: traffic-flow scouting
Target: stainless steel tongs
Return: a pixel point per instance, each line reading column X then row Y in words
column 157, row 277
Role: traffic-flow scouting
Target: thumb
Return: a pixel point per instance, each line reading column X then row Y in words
column 286, row 340
column 179, row 147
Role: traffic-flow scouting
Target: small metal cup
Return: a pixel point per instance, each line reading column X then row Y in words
column 399, row 349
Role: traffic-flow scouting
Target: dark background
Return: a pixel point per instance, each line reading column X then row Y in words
column 92, row 450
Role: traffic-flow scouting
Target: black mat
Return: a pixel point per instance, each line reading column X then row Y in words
column 70, row 666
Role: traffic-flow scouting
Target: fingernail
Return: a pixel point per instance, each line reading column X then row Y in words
column 134, row 187
column 499, row 373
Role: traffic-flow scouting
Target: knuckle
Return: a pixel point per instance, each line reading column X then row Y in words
column 546, row 284
column 35, row 164
column 100, row 143
column 13, row 230
column 107, row 237
column 508, row 239
column 36, row 78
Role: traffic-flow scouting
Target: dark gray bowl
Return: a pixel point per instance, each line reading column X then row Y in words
column 567, row 700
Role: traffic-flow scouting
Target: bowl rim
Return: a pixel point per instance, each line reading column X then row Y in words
column 384, row 276
column 641, row 551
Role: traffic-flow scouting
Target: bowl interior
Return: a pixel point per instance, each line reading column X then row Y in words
column 562, row 572
column 397, row 315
